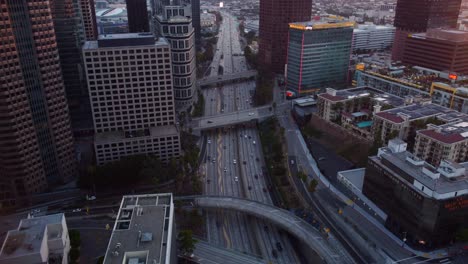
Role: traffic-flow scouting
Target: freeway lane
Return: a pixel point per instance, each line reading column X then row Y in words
column 228, row 175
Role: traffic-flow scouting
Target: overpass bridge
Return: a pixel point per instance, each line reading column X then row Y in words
column 232, row 118
column 280, row 217
column 221, row 79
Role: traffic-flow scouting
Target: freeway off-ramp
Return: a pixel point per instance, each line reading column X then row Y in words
column 286, row 220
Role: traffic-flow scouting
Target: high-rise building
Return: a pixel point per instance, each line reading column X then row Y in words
column 144, row 231
column 275, row 16
column 137, row 12
column 173, row 20
column 318, row 55
column 373, row 37
column 425, row 205
column 89, row 19
column 69, row 33
column 196, row 21
column 416, row 16
column 36, row 143
column 132, row 98
column 438, row 49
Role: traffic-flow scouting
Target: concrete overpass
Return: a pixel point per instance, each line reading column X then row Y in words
column 280, row 217
column 233, row 118
column 221, row 79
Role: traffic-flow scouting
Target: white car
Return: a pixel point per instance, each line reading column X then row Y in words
column 76, row 210
column 254, row 142
column 90, row 198
column 209, row 141
column 234, row 161
column 251, row 114
column 236, row 179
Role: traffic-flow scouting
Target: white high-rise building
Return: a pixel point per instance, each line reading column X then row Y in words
column 132, row 98
column 173, row 20
column 373, row 37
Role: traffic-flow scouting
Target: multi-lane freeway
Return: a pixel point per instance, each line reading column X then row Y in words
column 234, row 161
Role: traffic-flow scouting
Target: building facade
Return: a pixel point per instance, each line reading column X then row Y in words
column 37, row 148
column 174, row 22
column 132, row 98
column 70, row 36
column 439, row 87
column 144, row 230
column 42, row 239
column 438, row 49
column 137, row 12
column 89, row 19
column 444, row 142
column 373, row 37
column 425, row 205
column 416, row 16
column 318, row 55
column 275, row 16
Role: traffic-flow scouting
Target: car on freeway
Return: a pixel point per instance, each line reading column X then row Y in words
column 90, row 198
column 274, row 253
column 244, row 162
column 35, row 211
column 278, row 246
column 321, row 158
column 225, row 169
column 213, row 160
column 234, row 161
column 209, row 141
column 254, row 142
column 245, row 136
column 264, row 189
column 236, row 179
column 76, row 210
column 251, row 114
column 250, row 187
column 256, row 176
column 209, row 121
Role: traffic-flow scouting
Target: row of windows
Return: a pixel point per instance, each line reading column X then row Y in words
column 118, row 52
column 175, row 29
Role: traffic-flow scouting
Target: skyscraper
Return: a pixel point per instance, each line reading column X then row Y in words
column 318, row 55
column 196, row 19
column 173, row 20
column 89, row 19
column 36, row 143
column 132, row 98
column 415, row 16
column 137, row 12
column 69, row 33
column 275, row 16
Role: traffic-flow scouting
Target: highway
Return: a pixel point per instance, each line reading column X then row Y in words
column 234, row 160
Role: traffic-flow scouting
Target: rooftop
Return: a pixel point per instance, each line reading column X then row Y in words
column 439, row 182
column 113, row 136
column 125, row 40
column 450, row 35
column 359, row 92
column 421, row 111
column 416, row 77
column 449, row 133
column 28, row 238
column 143, row 230
column 322, row 23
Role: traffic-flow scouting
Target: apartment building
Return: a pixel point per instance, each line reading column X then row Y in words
column 132, row 97
column 445, row 142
